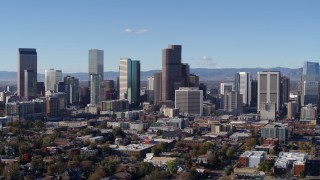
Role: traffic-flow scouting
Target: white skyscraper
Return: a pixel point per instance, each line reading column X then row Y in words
column 226, row 87
column 52, row 77
column 269, row 88
column 150, row 89
column 243, row 86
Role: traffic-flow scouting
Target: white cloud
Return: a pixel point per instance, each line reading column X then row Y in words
column 138, row 31
column 208, row 62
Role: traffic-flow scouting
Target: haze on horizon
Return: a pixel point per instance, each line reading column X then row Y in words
column 213, row 34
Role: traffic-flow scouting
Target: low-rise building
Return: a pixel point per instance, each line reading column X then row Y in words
column 158, row 161
column 251, row 158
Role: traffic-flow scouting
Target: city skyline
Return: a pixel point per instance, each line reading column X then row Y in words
column 217, row 35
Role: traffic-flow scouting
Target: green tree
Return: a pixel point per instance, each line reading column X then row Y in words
column 228, row 170
column 118, row 132
column 193, row 175
column 37, row 163
column 172, row 166
column 38, row 124
column 146, row 168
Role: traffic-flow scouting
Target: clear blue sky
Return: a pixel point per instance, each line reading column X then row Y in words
column 214, row 34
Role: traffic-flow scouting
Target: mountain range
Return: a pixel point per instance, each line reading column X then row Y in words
column 222, row 74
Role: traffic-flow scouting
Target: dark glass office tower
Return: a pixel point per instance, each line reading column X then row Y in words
column 172, row 72
column 27, row 60
column 310, row 83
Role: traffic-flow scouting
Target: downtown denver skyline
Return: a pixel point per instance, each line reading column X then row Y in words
column 214, row 34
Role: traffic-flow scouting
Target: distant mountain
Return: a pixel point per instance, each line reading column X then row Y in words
column 223, row 74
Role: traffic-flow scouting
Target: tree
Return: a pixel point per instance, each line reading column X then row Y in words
column 172, row 166
column 97, row 174
column 266, row 165
column 205, row 147
column 11, row 171
column 118, row 132
column 146, row 168
column 193, row 175
column 38, row 124
column 228, row 170
column 156, row 175
column 108, row 166
column 37, row 163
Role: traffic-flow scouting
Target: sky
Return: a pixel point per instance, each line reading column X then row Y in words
column 213, row 34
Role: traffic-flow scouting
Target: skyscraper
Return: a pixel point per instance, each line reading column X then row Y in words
column 150, row 89
column 189, row 101
column 96, row 62
column 310, row 83
column 129, row 81
column 52, row 77
column 95, row 80
column 157, row 87
column 224, row 87
column 269, row 88
column 285, row 89
column 30, row 84
column 243, row 86
column 27, row 60
column 174, row 73
column 71, row 89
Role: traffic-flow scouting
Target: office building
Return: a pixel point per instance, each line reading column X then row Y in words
column 225, row 87
column 242, row 84
column 233, row 102
column 40, row 89
column 189, row 101
column 310, row 83
column 251, row 158
column 279, row 131
column 269, row 88
column 174, row 73
column 157, row 85
column 95, row 86
column 308, row 113
column 52, row 78
column 30, row 84
column 150, row 89
column 292, row 109
column 96, row 62
column 254, row 93
column 193, row 80
column 129, row 81
column 285, row 89
column 71, row 89
column 27, row 60
column 267, row 111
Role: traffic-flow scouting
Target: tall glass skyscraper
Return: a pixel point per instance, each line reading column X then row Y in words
column 27, row 60
column 310, row 83
column 242, row 84
column 129, row 81
column 96, row 62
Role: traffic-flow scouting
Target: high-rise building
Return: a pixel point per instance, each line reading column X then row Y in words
column 95, row 80
column 52, row 77
column 292, row 109
column 193, row 80
column 224, row 87
column 71, row 89
column 96, row 62
column 150, row 89
column 310, row 83
column 233, row 102
column 129, row 81
column 30, row 84
column 308, row 112
column 157, row 84
column 269, row 88
column 27, row 60
column 285, row 89
column 243, row 86
column 189, row 101
column 174, row 73
column 254, row 93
